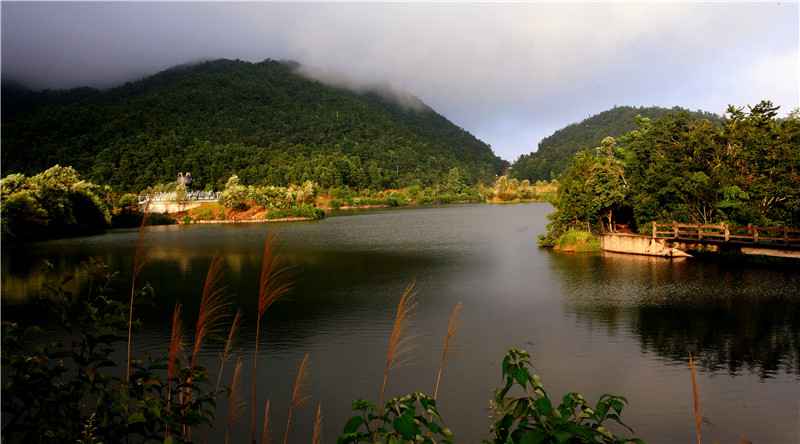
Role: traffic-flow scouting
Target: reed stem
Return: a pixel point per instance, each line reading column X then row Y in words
column 140, row 258
column 274, row 284
column 298, row 397
column 694, row 392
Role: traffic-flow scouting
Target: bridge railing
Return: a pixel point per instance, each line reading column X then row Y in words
column 728, row 233
column 191, row 196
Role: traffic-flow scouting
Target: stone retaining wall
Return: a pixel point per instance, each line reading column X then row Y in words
column 636, row 244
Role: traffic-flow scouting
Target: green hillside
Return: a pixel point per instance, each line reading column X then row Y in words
column 554, row 155
column 261, row 121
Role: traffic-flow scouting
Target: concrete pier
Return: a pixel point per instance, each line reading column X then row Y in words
column 636, row 244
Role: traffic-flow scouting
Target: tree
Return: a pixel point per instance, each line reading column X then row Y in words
column 234, row 196
column 53, row 203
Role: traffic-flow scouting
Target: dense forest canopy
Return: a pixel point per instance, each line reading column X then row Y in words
column 261, row 121
column 554, row 155
column 687, row 169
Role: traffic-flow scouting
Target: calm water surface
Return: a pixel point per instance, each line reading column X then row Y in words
column 594, row 323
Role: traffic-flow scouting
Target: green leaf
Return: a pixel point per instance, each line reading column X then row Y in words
column 532, row 438
column 404, row 425
column 544, row 405
column 522, row 375
column 32, row 330
column 601, row 409
column 353, row 424
column 136, row 417
column 446, row 433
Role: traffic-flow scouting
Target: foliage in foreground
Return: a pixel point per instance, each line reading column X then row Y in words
column 532, row 418
column 529, row 418
column 65, row 392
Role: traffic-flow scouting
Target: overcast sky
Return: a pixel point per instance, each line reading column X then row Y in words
column 509, row 73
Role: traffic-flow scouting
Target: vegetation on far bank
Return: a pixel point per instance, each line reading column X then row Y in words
column 686, row 169
column 58, row 203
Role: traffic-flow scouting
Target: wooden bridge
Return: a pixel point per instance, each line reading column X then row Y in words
column 677, row 239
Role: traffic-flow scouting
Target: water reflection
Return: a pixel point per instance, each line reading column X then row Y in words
column 732, row 319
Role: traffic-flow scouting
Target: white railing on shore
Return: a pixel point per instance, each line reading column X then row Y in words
column 191, row 196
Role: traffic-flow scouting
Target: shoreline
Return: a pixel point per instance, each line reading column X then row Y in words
column 239, row 221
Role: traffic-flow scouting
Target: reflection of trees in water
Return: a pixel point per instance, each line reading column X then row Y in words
column 731, row 318
column 758, row 337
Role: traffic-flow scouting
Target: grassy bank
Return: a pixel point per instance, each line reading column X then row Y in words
column 577, row 241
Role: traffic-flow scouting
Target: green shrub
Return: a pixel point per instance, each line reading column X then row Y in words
column 577, row 240
column 532, row 418
column 63, row 391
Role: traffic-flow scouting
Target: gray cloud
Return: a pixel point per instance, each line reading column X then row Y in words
column 510, row 73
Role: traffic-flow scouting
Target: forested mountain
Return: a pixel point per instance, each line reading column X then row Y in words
column 555, row 152
column 262, row 121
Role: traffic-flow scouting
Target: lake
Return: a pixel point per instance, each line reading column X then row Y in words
column 594, row 323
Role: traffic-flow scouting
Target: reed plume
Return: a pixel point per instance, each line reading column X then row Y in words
column 265, row 435
column 317, row 438
column 210, row 319
column 450, row 343
column 230, row 343
column 274, row 284
column 298, row 397
column 140, row 259
column 237, row 403
column 400, row 343
column 213, row 307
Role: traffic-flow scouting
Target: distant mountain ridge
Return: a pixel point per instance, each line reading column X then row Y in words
column 555, row 152
column 264, row 121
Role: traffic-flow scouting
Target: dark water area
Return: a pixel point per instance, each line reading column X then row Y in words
column 594, row 323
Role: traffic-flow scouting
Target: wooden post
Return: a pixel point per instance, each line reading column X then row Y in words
column 786, row 235
column 755, row 233
column 675, row 229
column 654, row 229
column 699, row 231
column 727, row 232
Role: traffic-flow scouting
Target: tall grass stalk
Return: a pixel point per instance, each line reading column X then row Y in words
column 237, row 403
column 265, row 434
column 176, row 344
column 317, row 438
column 140, row 258
column 400, row 343
column 230, row 343
column 450, row 343
column 694, row 392
column 699, row 414
column 274, row 284
column 211, row 318
column 299, row 397
column 214, row 306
